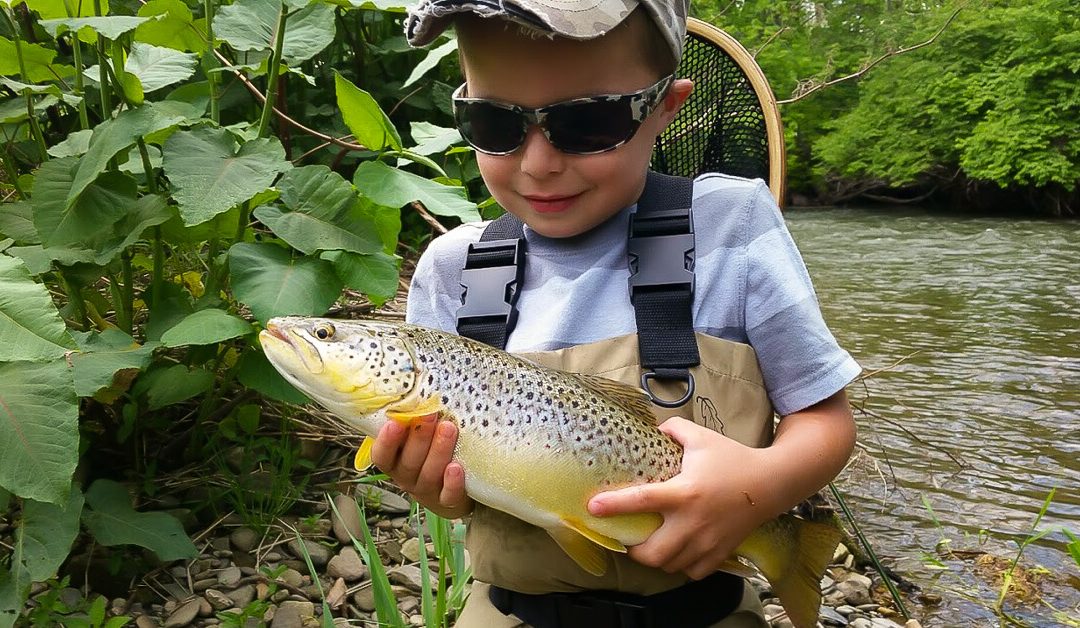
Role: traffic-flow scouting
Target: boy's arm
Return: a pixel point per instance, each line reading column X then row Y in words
column 725, row 489
column 417, row 459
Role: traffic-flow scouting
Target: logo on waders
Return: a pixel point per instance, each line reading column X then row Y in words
column 710, row 417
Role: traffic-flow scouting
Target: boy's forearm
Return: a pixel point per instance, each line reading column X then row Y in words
column 809, row 449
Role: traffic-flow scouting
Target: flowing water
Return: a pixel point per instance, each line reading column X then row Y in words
column 974, row 324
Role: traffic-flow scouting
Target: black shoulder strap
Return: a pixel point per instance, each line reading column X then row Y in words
column 491, row 281
column 661, row 252
column 661, row 256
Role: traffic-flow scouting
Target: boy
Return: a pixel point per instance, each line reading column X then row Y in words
column 574, row 181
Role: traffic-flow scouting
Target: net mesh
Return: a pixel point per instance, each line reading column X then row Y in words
column 721, row 127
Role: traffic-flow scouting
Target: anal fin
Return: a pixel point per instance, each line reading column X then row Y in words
column 585, row 545
column 362, row 460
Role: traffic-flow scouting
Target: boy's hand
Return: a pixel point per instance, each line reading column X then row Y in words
column 708, row 508
column 417, row 458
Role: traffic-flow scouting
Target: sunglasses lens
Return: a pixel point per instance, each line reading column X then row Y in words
column 490, row 128
column 590, row 127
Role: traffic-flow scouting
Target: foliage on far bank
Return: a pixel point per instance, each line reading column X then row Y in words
column 988, row 115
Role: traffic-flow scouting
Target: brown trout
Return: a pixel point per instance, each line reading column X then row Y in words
column 534, row 442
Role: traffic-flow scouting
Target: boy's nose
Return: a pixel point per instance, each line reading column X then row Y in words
column 538, row 157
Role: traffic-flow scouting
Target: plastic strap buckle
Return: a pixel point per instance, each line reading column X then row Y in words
column 493, row 272
column 660, row 261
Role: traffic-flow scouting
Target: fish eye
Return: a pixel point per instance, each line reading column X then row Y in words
column 324, row 331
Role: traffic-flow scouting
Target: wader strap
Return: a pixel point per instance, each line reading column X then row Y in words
column 696, row 604
column 661, row 257
column 491, row 281
column 661, row 252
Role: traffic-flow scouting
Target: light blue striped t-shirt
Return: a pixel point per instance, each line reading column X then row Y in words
column 751, row 287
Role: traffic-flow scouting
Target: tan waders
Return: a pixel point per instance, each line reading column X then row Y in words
column 729, row 398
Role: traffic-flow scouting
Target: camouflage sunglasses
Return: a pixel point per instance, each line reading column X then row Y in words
column 581, row 126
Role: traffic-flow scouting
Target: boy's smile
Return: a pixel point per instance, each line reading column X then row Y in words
column 556, row 193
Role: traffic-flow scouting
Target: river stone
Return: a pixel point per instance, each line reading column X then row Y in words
column 229, row 577
column 287, row 618
column 862, row 580
column 146, row 621
column 861, row 622
column 349, row 520
column 183, row 615
column 772, row 611
column 218, row 600
column 881, row 622
column 840, row 554
column 292, row 577
column 409, row 576
column 243, row 596
column 912, row 623
column 831, row 617
column 244, row 539
column 365, row 599
column 410, row 549
column 383, row 500
column 320, row 554
column 335, row 597
column 409, row 605
column 845, row 610
column 346, row 565
column 206, row 609
column 853, row 592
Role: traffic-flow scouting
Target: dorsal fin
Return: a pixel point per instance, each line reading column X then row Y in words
column 633, row 399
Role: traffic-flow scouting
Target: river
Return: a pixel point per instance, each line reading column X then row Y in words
column 974, row 327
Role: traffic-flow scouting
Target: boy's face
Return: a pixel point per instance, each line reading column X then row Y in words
column 559, row 194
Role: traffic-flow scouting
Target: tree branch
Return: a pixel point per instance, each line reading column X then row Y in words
column 806, row 88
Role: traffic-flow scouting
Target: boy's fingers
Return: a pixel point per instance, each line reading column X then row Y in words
column 416, row 448
column 453, row 489
column 641, row 498
column 681, row 430
column 387, row 445
column 438, row 456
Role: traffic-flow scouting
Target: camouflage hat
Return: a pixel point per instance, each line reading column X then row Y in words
column 576, row 19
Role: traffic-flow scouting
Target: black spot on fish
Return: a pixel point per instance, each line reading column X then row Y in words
column 445, row 400
column 484, row 422
column 603, row 421
column 529, row 395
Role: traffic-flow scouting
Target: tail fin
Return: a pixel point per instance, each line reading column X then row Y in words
column 792, row 554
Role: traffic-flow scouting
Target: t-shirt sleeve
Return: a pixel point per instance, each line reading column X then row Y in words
column 435, row 289
column 799, row 358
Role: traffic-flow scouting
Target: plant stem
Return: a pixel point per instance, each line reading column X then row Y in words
column 870, row 552
column 151, row 182
column 242, row 222
column 76, row 49
column 157, row 281
column 13, row 175
column 103, row 77
column 75, row 298
column 272, row 68
column 24, row 76
column 128, row 291
column 210, row 61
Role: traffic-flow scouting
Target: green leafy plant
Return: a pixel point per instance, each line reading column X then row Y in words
column 175, row 175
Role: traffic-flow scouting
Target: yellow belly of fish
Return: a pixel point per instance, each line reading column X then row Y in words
column 551, row 490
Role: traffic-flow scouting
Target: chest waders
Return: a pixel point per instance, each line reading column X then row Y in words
column 522, row 576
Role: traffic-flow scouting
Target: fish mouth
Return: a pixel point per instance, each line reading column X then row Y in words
column 275, row 335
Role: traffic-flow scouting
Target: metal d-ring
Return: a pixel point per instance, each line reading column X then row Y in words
column 685, row 376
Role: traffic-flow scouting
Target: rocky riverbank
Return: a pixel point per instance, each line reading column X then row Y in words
column 245, row 578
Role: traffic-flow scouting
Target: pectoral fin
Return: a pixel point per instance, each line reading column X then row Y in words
column 362, row 461
column 584, row 545
column 408, row 410
column 738, row 568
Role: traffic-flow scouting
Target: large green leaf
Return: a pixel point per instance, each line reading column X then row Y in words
column 13, row 592
column 252, row 24
column 148, row 211
column 44, row 539
column 30, row 327
column 176, row 28
column 365, row 119
column 157, row 67
column 49, row 9
column 38, row 61
column 108, row 26
column 273, row 283
column 17, row 222
column 113, row 521
column 166, row 386
column 257, row 373
column 206, row 327
column 375, row 275
column 102, row 355
column 112, row 136
column 316, row 190
column 396, row 188
column 39, row 417
column 209, row 175
column 101, row 204
column 387, row 222
column 309, row 234
column 75, row 144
